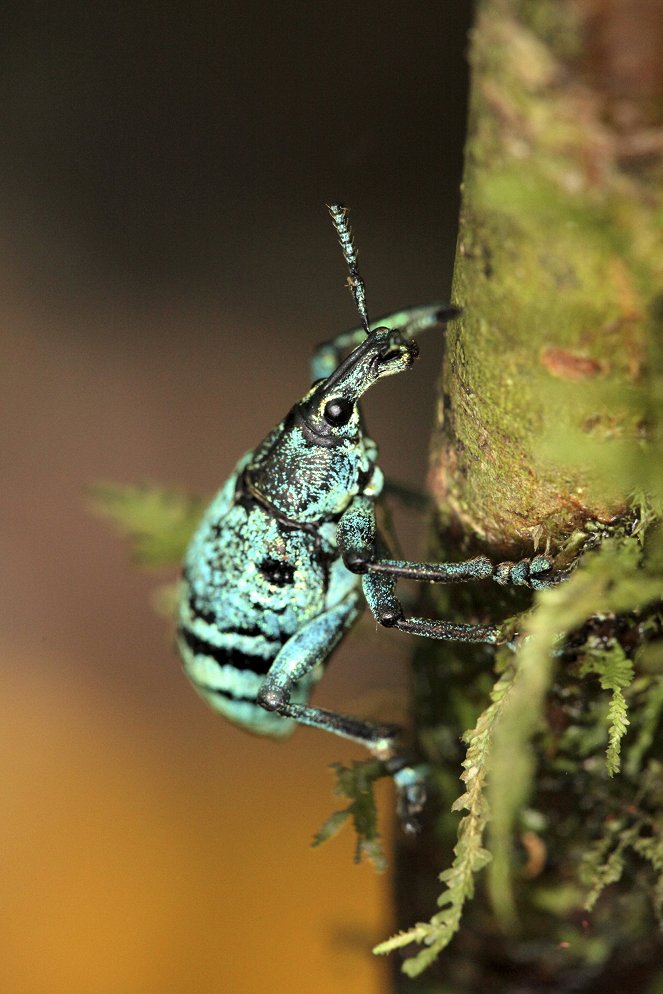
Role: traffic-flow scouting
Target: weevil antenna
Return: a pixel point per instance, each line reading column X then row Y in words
column 339, row 215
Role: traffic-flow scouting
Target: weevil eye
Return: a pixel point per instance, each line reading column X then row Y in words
column 338, row 411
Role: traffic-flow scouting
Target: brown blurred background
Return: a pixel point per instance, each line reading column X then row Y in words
column 167, row 265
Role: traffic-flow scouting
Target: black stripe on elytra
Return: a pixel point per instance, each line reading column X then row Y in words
column 218, row 692
column 210, row 618
column 227, row 657
column 199, row 612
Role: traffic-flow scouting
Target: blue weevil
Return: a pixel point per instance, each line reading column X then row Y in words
column 273, row 576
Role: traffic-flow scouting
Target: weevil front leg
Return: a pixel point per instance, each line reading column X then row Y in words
column 310, row 647
column 364, row 551
column 409, row 322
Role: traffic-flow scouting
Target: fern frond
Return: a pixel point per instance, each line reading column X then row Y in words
column 356, row 784
column 609, row 580
column 470, row 855
column 158, row 522
column 639, row 829
column 615, row 672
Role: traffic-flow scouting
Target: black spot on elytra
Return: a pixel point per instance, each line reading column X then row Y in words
column 277, row 572
column 198, row 611
column 363, row 476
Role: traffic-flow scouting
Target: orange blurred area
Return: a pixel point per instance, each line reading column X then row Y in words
column 145, row 844
column 143, row 859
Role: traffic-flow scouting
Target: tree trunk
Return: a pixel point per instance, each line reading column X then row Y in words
column 548, row 424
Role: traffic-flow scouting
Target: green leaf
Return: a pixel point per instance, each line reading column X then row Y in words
column 615, row 672
column 331, row 827
column 356, row 784
column 158, row 522
column 417, row 933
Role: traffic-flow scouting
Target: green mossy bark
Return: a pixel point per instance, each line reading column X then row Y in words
column 559, row 260
column 549, row 422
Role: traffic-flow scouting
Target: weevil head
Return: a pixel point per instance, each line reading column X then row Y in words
column 330, row 409
column 317, row 460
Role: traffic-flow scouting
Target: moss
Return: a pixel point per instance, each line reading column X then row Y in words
column 558, row 24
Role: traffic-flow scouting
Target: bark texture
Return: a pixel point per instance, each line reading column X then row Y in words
column 544, row 400
column 558, row 264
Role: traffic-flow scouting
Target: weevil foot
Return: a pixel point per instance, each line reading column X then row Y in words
column 537, row 573
column 383, row 742
column 410, row 782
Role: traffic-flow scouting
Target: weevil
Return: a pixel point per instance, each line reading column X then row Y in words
column 274, row 576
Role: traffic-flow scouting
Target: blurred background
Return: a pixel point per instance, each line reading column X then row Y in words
column 167, row 265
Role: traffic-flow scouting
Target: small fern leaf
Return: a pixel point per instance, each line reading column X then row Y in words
column 158, row 522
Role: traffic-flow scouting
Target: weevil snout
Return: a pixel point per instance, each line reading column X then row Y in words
column 383, row 353
column 396, row 354
column 332, row 406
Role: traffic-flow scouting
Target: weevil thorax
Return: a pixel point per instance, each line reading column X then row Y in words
column 318, row 459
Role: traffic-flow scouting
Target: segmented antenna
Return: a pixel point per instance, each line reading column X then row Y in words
column 339, row 215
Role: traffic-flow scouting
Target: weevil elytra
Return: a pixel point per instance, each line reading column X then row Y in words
column 274, row 575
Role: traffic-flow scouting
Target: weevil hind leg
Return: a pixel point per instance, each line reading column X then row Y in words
column 410, row 782
column 310, row 647
column 305, row 650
